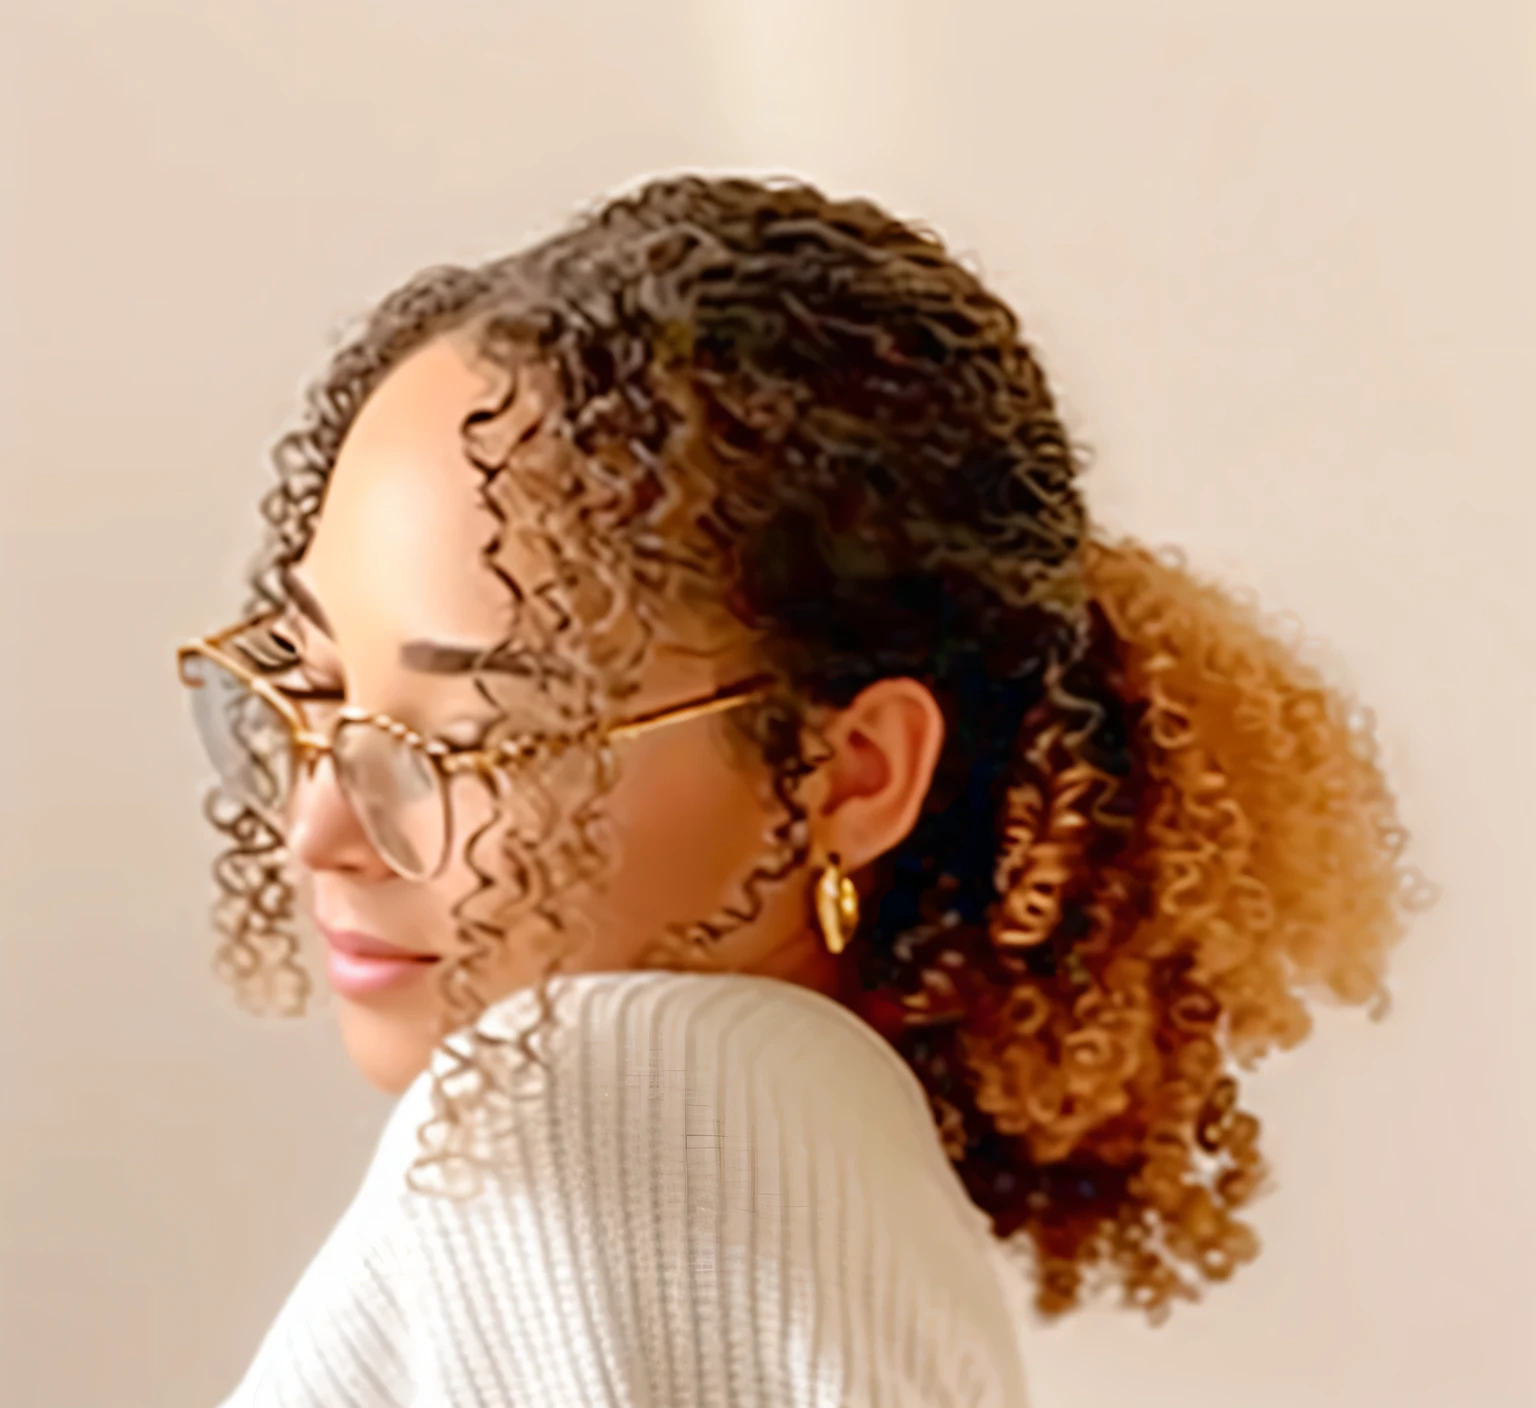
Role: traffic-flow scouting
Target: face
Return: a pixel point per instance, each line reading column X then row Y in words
column 391, row 589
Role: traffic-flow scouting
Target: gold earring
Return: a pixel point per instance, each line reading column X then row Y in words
column 837, row 906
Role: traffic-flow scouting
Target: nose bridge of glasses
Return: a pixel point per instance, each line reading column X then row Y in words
column 476, row 763
column 310, row 746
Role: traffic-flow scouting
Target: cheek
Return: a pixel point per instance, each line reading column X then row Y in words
column 498, row 834
column 689, row 824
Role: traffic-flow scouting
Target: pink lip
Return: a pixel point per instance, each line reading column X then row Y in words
column 359, row 964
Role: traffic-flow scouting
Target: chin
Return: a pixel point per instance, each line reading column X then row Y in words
column 389, row 1049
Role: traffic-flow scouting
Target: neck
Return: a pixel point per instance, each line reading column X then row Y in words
column 802, row 960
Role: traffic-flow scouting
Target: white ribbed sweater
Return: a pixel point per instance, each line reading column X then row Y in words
column 727, row 1192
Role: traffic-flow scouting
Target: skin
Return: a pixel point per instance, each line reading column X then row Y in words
column 395, row 558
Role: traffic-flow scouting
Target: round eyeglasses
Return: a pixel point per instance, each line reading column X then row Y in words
column 394, row 779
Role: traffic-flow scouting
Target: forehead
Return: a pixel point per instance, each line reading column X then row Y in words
column 399, row 540
column 398, row 552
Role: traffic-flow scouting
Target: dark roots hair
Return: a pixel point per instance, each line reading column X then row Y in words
column 1153, row 827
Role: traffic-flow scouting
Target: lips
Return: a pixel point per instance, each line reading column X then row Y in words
column 359, row 965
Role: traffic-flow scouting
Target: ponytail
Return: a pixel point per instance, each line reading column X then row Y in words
column 1197, row 838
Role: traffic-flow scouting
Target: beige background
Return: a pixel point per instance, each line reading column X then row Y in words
column 1278, row 256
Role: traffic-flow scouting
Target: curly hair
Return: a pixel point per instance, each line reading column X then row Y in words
column 1154, row 829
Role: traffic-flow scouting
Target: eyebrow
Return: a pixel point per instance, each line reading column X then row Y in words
column 430, row 657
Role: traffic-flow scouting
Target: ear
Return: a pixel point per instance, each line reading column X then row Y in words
column 866, row 798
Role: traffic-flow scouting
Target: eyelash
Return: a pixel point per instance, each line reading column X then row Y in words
column 311, row 694
column 291, row 663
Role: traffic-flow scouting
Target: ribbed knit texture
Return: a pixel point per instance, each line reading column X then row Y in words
column 725, row 1192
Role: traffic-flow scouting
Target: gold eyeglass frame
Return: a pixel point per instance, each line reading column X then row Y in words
column 447, row 760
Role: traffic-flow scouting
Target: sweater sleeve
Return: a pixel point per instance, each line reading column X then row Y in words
column 720, row 1192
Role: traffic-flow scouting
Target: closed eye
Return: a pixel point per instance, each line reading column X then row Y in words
column 310, row 694
column 276, row 656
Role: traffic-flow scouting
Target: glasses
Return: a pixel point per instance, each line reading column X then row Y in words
column 394, row 779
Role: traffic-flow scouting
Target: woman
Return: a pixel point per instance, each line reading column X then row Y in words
column 708, row 591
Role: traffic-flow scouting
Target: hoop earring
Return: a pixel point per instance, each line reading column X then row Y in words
column 837, row 906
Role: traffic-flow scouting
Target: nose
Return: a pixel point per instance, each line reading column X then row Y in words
column 324, row 833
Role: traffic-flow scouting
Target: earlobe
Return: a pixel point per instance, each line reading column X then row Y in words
column 886, row 745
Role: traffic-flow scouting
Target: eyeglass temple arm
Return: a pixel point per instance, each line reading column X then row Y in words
column 731, row 697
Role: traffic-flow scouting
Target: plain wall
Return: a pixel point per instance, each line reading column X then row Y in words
column 1277, row 258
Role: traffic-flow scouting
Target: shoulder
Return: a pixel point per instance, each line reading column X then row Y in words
column 659, row 1062
column 651, row 1066
column 751, row 1148
column 744, row 1034
column 620, row 1040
